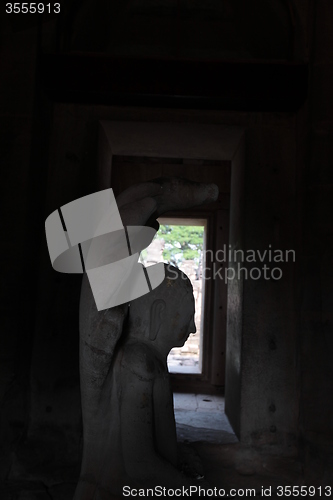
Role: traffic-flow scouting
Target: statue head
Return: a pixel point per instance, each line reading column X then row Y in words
column 165, row 316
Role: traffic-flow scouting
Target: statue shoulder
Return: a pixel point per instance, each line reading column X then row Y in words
column 138, row 360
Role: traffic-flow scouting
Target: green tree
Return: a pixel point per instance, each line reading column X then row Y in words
column 181, row 242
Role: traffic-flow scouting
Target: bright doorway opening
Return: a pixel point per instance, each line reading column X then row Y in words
column 181, row 242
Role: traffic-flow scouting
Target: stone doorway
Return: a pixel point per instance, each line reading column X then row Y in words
column 190, row 258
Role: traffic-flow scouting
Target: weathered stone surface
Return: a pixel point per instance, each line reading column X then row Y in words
column 320, row 169
column 63, row 491
column 322, row 99
column 324, row 35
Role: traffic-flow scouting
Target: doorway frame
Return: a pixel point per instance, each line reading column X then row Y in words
column 194, row 141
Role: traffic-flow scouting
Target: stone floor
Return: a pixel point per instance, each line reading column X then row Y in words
column 209, row 450
column 208, row 440
column 201, row 418
column 181, row 363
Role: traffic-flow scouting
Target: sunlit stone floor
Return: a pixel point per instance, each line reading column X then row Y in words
column 201, row 417
column 207, row 439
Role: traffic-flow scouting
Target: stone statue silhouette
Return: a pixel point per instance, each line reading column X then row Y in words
column 123, row 374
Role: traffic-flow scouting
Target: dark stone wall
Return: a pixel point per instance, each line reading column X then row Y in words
column 316, row 272
column 220, row 29
column 269, row 371
column 17, row 69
